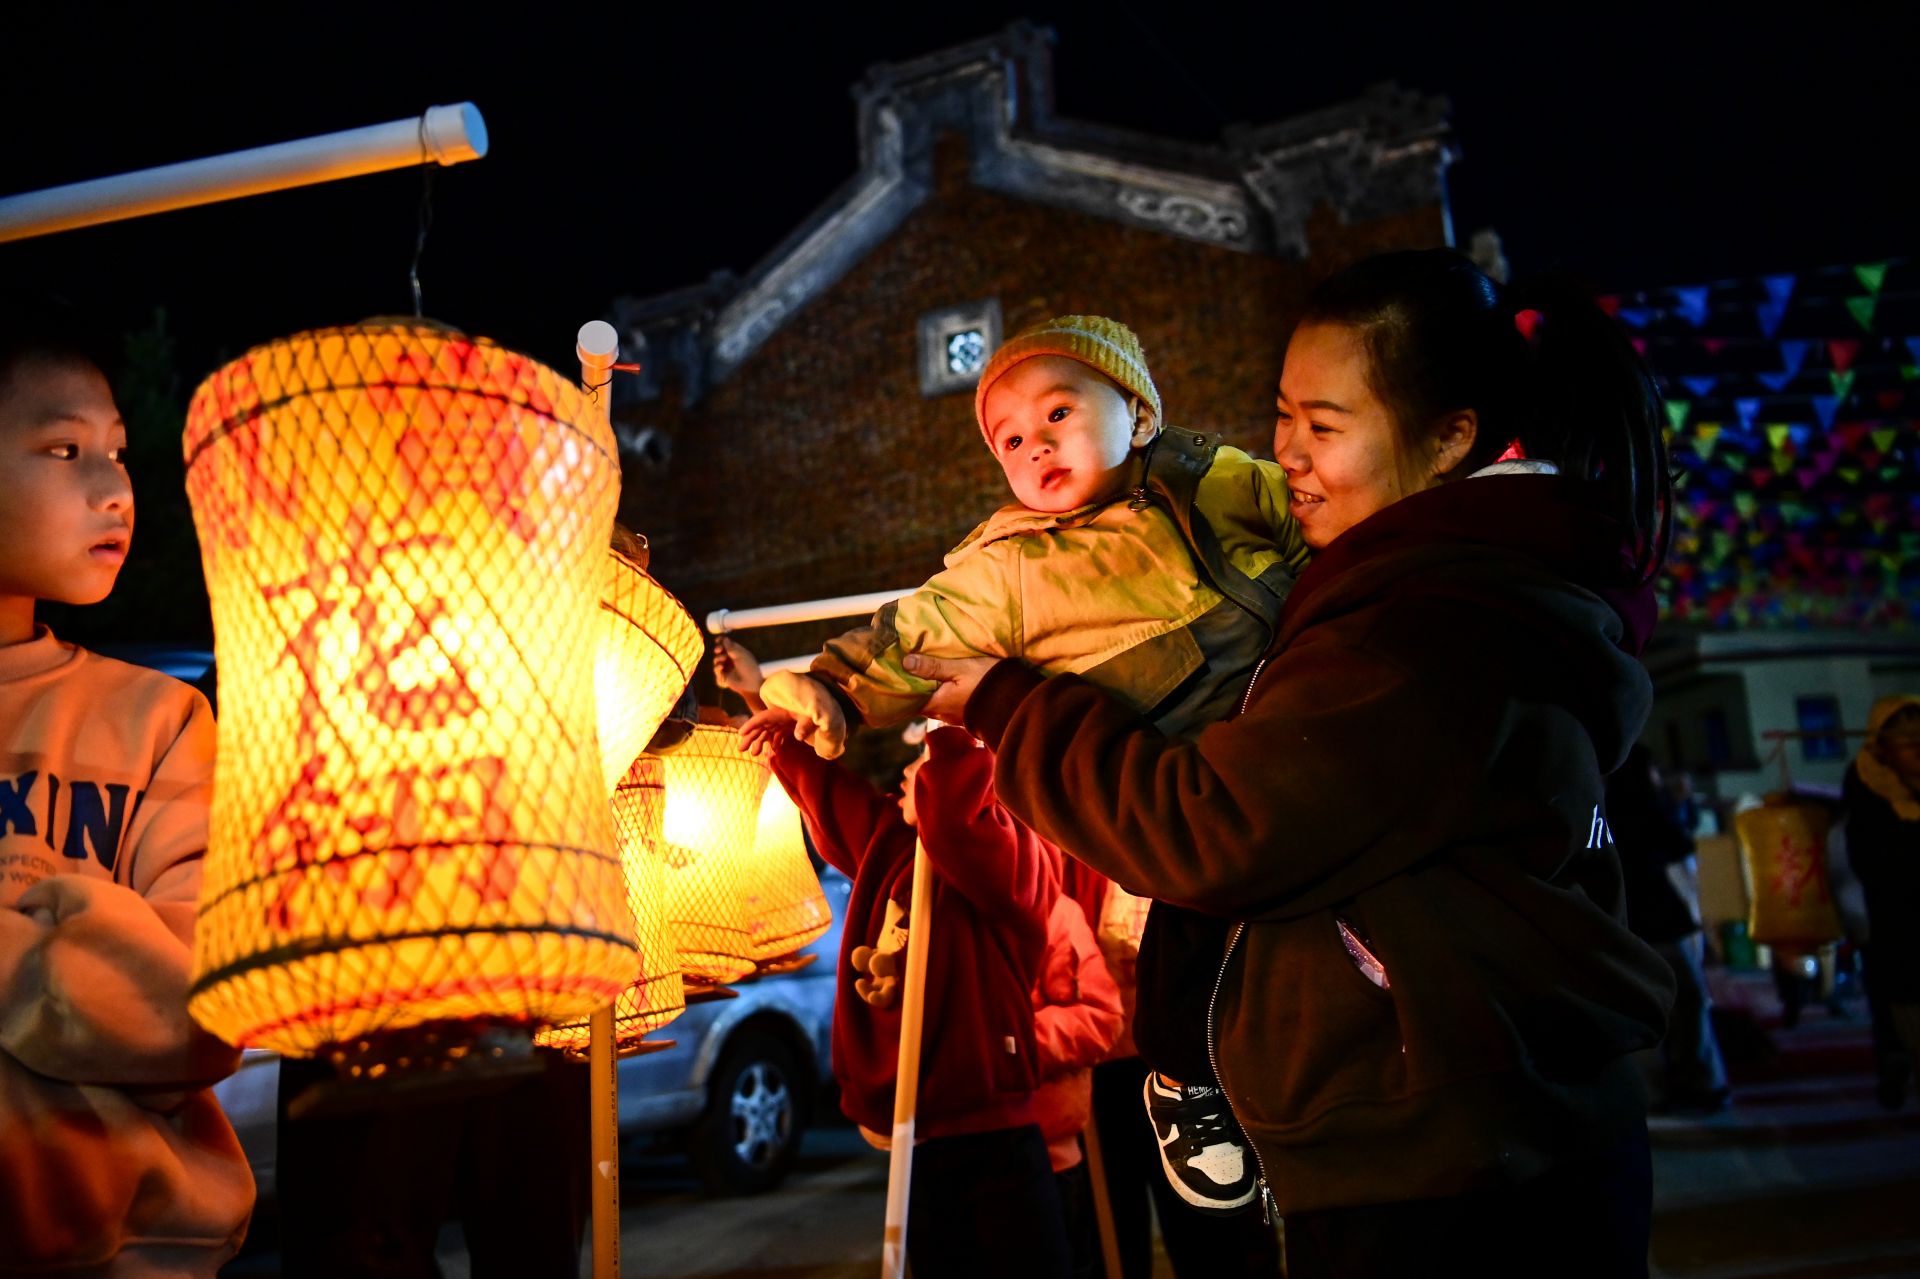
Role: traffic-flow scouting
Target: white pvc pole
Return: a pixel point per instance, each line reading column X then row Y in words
column 906, row 1079
column 442, row 135
column 598, row 347
column 722, row 620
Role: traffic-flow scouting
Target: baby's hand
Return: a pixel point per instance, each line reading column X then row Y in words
column 817, row 716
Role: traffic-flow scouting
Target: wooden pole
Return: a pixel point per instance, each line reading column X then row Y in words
column 604, row 1084
column 906, row 1085
column 598, row 346
column 1102, row 1202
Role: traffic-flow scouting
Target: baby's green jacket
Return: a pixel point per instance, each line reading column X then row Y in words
column 1168, row 606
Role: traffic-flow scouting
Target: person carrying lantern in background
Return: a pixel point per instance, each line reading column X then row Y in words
column 983, row 1199
column 115, row 1158
column 1882, row 795
column 1149, row 560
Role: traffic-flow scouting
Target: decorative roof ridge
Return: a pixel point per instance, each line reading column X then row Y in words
column 1379, row 154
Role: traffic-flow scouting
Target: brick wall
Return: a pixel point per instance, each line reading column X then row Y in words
column 818, row 469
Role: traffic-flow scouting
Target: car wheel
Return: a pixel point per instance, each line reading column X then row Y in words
column 747, row 1138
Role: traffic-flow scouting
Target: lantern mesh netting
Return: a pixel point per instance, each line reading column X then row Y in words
column 785, row 908
column 404, row 532
column 648, row 649
column 708, row 824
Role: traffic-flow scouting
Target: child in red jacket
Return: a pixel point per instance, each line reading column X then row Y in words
column 982, row 1200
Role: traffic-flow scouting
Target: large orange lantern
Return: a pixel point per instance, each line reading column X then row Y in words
column 784, row 906
column 404, row 532
column 708, row 826
column 648, row 649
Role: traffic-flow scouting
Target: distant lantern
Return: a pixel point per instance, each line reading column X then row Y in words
column 784, row 905
column 708, row 827
column 1783, row 844
column 649, row 647
column 404, row 532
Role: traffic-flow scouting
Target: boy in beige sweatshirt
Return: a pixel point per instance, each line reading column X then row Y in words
column 115, row 1159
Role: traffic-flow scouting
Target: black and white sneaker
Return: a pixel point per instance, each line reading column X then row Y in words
column 1201, row 1147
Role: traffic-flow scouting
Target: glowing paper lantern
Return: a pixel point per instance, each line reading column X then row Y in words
column 784, row 906
column 404, row 532
column 648, row 649
column 708, row 828
column 1784, row 847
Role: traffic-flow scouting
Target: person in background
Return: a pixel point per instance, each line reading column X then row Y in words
column 1076, row 1020
column 1882, row 793
column 1686, row 1071
column 115, row 1158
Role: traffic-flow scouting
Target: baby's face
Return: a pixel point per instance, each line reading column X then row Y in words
column 1062, row 433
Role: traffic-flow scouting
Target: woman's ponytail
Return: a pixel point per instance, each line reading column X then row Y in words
column 1592, row 406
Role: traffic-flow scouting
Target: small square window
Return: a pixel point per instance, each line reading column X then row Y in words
column 955, row 344
column 1819, row 715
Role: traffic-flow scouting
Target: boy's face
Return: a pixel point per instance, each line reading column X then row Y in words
column 1062, row 432
column 66, row 505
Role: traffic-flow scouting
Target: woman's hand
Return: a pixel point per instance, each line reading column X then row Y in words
column 958, row 677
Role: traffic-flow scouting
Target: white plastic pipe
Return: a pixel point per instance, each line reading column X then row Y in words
column 441, row 135
column 723, row 620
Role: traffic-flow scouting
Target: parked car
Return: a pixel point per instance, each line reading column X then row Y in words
column 736, row 1090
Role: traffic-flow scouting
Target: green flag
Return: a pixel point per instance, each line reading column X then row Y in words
column 1871, row 276
column 1842, row 380
column 1677, row 411
column 1862, row 309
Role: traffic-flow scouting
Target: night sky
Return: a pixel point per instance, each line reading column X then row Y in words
column 1636, row 147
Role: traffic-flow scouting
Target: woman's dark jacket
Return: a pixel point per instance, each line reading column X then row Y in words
column 1420, row 757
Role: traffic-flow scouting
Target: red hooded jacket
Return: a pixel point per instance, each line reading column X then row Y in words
column 996, row 880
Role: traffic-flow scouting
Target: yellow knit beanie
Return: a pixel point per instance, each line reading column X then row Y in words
column 1095, row 341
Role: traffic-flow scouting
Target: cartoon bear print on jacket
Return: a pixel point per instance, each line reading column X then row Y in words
column 884, row 961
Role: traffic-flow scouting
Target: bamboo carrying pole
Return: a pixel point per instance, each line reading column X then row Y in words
column 906, row 1082
column 1102, row 1202
column 440, row 135
column 599, row 347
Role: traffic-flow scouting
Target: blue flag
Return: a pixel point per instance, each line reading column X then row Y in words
column 1826, row 408
column 1701, row 387
column 1691, row 305
column 1779, row 287
column 1769, row 314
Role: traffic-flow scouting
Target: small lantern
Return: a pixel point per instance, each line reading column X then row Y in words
column 707, row 833
column 1784, row 847
column 648, row 649
column 785, row 908
column 404, row 536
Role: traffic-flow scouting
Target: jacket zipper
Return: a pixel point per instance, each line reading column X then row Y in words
column 1247, row 696
column 1268, row 1208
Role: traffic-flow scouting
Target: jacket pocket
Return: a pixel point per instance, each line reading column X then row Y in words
column 1360, row 955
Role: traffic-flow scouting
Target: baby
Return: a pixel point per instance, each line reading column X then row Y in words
column 1152, row 562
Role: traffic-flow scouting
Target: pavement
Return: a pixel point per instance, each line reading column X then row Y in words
column 1804, row 1177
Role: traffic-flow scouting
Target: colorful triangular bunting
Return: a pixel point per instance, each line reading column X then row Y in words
column 1871, row 276
column 1843, row 352
column 1701, row 387
column 1862, row 310
column 1690, row 304
column 1677, row 411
